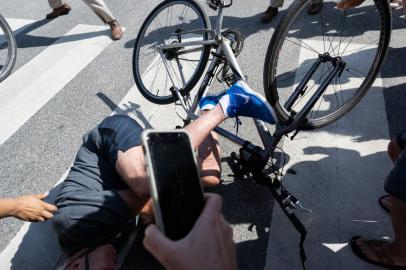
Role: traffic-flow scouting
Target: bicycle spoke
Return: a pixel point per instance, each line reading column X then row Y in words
column 328, row 37
column 355, row 75
column 293, row 76
column 156, row 74
column 341, row 89
column 159, row 27
column 342, row 22
column 359, row 49
column 298, row 44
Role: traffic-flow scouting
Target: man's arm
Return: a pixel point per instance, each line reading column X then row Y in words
column 28, row 208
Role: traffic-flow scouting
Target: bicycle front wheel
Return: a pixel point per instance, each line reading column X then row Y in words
column 359, row 36
column 8, row 49
column 157, row 71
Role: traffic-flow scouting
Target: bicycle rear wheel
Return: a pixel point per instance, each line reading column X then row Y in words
column 168, row 24
column 8, row 49
column 360, row 36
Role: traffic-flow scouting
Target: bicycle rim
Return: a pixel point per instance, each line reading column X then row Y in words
column 360, row 36
column 8, row 49
column 165, row 26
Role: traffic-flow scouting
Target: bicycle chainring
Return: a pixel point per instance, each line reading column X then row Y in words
column 236, row 39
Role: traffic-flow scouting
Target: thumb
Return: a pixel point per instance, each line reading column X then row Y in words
column 41, row 196
column 157, row 243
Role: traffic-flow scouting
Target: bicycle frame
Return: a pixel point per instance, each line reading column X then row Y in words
column 223, row 47
column 253, row 157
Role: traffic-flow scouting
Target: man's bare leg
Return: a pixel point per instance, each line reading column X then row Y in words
column 209, row 159
column 397, row 248
column 199, row 129
column 130, row 164
column 391, row 253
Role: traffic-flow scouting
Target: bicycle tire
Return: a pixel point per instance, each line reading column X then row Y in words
column 271, row 61
column 198, row 71
column 5, row 71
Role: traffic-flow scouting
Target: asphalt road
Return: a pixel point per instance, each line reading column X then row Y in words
column 34, row 157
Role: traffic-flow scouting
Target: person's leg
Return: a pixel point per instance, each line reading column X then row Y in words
column 199, row 129
column 209, row 160
column 385, row 253
column 239, row 100
column 395, row 148
column 102, row 11
column 315, row 7
column 56, row 3
column 131, row 166
column 276, row 3
column 382, row 252
column 397, row 248
column 59, row 7
column 271, row 11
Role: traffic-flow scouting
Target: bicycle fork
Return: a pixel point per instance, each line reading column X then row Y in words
column 297, row 119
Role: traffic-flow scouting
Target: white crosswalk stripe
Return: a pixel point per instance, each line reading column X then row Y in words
column 133, row 104
column 34, row 84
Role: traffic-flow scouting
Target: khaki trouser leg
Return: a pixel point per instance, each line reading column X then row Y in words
column 101, row 10
column 55, row 3
column 279, row 3
column 276, row 3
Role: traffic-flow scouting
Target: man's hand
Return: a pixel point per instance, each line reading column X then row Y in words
column 32, row 208
column 345, row 4
column 209, row 245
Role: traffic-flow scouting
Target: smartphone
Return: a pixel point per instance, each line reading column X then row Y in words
column 175, row 185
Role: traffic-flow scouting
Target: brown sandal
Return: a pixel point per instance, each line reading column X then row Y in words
column 377, row 247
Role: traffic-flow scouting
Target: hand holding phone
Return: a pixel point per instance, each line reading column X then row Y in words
column 175, row 184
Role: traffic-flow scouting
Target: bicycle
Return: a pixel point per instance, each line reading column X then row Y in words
column 307, row 62
column 8, row 49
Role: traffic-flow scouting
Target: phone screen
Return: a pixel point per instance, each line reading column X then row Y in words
column 177, row 181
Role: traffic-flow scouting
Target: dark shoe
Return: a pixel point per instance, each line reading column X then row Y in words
column 314, row 8
column 56, row 12
column 116, row 31
column 269, row 14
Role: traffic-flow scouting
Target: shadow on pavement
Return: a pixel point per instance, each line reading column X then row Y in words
column 246, row 25
column 39, row 248
column 24, row 40
column 342, row 189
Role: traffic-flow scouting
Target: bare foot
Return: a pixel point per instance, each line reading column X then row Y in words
column 375, row 252
column 102, row 258
column 385, row 202
column 209, row 160
column 344, row 4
